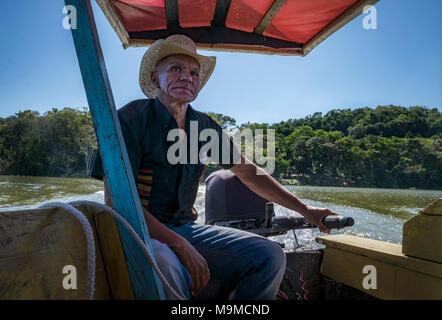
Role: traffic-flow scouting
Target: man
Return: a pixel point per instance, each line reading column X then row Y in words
column 171, row 75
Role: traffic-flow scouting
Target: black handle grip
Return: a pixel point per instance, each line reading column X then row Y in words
column 331, row 222
column 338, row 222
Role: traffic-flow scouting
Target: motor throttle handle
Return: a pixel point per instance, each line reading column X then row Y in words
column 337, row 222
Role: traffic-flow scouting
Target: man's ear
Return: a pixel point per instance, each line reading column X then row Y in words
column 154, row 79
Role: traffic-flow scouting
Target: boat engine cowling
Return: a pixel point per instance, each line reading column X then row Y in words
column 228, row 199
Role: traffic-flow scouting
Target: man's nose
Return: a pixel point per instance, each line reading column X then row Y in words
column 185, row 75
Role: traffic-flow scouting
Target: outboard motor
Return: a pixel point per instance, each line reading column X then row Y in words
column 227, row 198
column 230, row 203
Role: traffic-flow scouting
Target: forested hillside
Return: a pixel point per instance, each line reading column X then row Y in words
column 388, row 146
column 58, row 143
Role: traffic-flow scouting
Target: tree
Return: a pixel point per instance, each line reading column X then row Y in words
column 226, row 122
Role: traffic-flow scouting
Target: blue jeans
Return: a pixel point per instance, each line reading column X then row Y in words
column 255, row 264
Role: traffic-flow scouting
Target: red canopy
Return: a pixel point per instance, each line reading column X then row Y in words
column 272, row 26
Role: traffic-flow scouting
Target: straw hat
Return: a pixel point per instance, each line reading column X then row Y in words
column 174, row 44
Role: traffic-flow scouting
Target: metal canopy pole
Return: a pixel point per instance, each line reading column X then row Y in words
column 117, row 168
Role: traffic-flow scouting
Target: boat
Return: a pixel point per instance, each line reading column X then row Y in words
column 43, row 252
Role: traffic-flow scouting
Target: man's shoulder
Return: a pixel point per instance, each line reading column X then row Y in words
column 135, row 109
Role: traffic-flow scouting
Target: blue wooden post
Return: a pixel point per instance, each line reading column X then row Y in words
column 116, row 164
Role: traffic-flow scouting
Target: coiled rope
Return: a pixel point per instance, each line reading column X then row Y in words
column 90, row 287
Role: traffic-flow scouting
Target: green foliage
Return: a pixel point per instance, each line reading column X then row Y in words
column 384, row 147
column 226, row 122
column 58, row 143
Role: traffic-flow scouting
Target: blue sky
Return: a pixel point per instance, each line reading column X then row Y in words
column 398, row 63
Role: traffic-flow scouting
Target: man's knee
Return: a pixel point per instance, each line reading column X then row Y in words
column 166, row 259
column 171, row 268
column 163, row 254
column 275, row 258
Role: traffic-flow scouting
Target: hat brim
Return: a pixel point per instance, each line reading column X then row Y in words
column 161, row 49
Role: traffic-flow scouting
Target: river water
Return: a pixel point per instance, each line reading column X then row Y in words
column 378, row 213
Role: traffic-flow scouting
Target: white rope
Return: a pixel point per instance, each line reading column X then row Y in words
column 90, row 285
column 91, row 245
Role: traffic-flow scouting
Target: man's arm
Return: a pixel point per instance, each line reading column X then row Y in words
column 194, row 263
column 268, row 188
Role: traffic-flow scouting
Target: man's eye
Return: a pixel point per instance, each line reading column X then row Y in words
column 176, row 68
column 194, row 74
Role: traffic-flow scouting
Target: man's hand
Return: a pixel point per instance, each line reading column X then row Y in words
column 314, row 215
column 190, row 258
column 195, row 264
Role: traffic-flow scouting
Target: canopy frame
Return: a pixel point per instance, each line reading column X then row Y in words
column 218, row 37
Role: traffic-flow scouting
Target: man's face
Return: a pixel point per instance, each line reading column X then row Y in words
column 178, row 78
